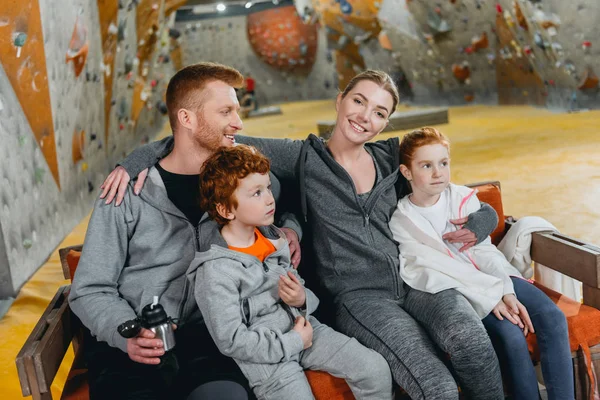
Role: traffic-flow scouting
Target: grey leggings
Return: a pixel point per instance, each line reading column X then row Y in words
column 410, row 334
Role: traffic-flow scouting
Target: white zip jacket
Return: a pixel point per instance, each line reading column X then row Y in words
column 428, row 264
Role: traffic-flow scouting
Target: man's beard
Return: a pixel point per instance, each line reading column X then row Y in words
column 209, row 138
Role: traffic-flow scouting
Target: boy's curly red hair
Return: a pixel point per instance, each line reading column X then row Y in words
column 222, row 173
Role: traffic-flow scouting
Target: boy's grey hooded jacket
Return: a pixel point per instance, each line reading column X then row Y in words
column 238, row 297
column 354, row 249
column 140, row 249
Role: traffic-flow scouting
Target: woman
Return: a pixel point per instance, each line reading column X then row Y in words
column 349, row 191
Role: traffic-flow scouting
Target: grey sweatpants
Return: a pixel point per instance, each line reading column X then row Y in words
column 366, row 371
column 410, row 334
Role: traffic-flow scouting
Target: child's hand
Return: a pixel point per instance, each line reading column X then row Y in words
column 304, row 328
column 502, row 311
column 462, row 235
column 519, row 311
column 291, row 290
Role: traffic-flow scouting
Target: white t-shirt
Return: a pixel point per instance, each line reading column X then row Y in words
column 438, row 216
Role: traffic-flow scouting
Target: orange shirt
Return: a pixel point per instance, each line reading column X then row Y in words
column 261, row 248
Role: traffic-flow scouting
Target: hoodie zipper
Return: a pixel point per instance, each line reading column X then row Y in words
column 196, row 229
column 369, row 206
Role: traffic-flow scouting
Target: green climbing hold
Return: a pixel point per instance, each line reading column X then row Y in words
column 27, row 243
column 20, row 39
column 39, row 175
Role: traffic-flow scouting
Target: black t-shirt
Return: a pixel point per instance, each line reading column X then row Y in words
column 184, row 192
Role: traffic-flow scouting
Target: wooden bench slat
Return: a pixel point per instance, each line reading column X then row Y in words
column 54, row 344
column 567, row 256
column 29, row 381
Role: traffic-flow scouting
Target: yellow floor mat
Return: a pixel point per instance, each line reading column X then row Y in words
column 548, row 165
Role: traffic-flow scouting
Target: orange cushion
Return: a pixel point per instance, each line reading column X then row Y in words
column 490, row 194
column 72, row 261
column 328, row 387
column 583, row 322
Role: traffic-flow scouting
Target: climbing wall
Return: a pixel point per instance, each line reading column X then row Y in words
column 460, row 51
column 289, row 61
column 70, row 108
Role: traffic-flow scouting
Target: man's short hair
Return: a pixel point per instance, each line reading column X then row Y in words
column 221, row 175
column 185, row 86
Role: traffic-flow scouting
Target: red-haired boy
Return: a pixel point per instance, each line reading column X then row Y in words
column 253, row 301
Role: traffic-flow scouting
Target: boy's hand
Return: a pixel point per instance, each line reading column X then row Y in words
column 144, row 348
column 291, row 290
column 304, row 328
column 519, row 310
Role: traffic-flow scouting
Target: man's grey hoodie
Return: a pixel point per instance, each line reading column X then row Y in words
column 238, row 297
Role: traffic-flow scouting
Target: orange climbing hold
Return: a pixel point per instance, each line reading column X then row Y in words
column 462, row 72
column 78, row 47
column 520, row 17
column 384, row 41
column 481, row 42
column 589, row 81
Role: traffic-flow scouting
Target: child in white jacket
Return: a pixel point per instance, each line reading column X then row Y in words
column 510, row 307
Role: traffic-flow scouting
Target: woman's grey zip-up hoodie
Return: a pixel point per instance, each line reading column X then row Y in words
column 238, row 297
column 354, row 249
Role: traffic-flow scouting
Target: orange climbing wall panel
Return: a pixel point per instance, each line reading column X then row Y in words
column 137, row 103
column 147, row 26
column 28, row 73
column 173, row 5
column 108, row 14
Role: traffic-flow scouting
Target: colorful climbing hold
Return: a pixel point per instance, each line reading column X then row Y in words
column 19, row 42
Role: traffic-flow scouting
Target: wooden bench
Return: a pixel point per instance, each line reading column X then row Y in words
column 41, row 355
column 399, row 121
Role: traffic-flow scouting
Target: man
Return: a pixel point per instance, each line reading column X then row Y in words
column 143, row 249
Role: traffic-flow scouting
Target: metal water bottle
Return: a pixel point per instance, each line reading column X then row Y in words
column 155, row 319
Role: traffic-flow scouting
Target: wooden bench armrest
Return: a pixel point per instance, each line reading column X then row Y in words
column 572, row 257
column 41, row 355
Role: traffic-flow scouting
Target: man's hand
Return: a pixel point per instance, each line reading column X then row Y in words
column 291, row 290
column 144, row 348
column 116, row 184
column 304, row 328
column 295, row 252
column 518, row 309
column 462, row 235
